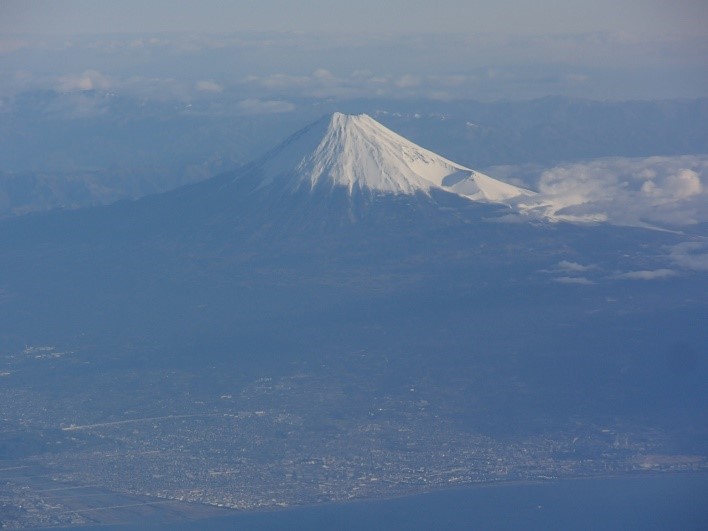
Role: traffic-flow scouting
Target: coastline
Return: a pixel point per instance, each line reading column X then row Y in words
column 401, row 507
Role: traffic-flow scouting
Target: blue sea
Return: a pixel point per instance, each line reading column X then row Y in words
column 666, row 501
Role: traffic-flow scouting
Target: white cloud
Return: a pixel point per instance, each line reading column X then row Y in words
column 88, row 80
column 408, row 81
column 647, row 275
column 256, row 106
column 280, row 81
column 324, row 83
column 483, row 65
column 324, row 76
column 156, row 88
column 654, row 191
column 681, row 185
column 574, row 280
column 565, row 265
column 690, row 255
column 209, row 86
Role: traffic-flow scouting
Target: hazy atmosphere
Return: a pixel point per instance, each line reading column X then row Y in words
column 262, row 259
column 450, row 49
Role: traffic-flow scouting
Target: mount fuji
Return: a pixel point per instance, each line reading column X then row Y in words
column 340, row 170
column 358, row 153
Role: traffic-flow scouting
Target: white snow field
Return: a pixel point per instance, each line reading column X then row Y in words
column 357, row 152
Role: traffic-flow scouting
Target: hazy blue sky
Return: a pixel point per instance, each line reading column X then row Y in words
column 276, row 50
column 397, row 16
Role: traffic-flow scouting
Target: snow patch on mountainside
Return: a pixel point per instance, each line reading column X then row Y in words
column 480, row 187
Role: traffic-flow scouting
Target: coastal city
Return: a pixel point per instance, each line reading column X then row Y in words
column 293, row 440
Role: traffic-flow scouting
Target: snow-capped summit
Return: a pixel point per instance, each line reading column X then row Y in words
column 358, row 153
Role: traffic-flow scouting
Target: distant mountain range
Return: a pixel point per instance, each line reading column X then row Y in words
column 82, row 149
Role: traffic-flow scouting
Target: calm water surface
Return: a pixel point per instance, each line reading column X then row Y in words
column 669, row 501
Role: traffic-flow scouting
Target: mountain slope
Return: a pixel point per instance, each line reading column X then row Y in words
column 358, row 153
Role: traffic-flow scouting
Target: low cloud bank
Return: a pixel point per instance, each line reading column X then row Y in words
column 653, row 191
